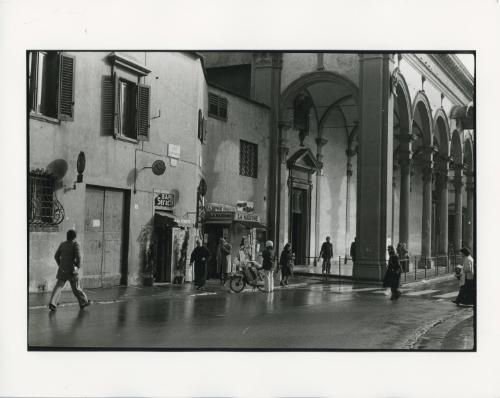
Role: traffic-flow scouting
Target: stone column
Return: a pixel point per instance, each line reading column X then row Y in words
column 469, row 227
column 375, row 159
column 320, row 142
column 281, row 176
column 427, row 209
column 350, row 153
column 404, row 195
column 442, row 186
column 266, row 89
column 458, row 183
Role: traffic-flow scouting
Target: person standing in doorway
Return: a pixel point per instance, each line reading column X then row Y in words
column 223, row 264
column 199, row 257
column 393, row 274
column 466, row 275
column 286, row 264
column 326, row 253
column 68, row 259
column 352, row 252
column 268, row 265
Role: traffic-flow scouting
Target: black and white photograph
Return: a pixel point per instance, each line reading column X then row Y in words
column 251, row 200
column 256, row 199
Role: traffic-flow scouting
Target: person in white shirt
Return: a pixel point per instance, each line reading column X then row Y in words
column 466, row 294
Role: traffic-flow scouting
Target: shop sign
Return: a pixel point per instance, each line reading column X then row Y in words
column 218, row 207
column 246, row 217
column 183, row 222
column 216, row 211
column 218, row 215
column 244, row 205
column 163, row 200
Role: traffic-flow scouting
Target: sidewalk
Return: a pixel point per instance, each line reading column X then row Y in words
column 106, row 295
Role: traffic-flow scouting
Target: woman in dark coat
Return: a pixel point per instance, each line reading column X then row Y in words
column 199, row 257
column 286, row 264
column 393, row 274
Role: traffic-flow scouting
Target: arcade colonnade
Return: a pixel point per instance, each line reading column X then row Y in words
column 398, row 166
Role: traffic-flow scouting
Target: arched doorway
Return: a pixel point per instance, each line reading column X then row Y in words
column 421, row 184
column 319, row 113
column 402, row 144
column 456, row 211
column 441, row 161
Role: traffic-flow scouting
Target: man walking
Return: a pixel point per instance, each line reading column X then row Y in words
column 68, row 259
column 326, row 253
column 268, row 265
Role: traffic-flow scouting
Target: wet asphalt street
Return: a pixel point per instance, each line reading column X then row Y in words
column 309, row 314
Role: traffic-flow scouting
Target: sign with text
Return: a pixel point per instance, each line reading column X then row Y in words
column 163, row 200
column 174, row 151
column 246, row 217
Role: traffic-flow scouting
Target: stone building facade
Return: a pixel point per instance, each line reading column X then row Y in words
column 118, row 120
column 141, row 152
column 378, row 146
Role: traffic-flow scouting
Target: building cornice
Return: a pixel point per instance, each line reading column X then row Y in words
column 454, row 71
column 451, row 64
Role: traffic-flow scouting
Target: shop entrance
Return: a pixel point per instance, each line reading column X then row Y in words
column 213, row 232
column 163, row 254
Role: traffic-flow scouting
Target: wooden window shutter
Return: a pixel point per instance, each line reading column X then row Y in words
column 116, row 111
column 66, row 95
column 143, row 105
column 108, row 105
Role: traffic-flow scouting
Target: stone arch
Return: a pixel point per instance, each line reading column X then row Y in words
column 441, row 130
column 422, row 105
column 403, row 100
column 315, row 77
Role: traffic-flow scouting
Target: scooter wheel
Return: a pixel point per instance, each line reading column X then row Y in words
column 237, row 284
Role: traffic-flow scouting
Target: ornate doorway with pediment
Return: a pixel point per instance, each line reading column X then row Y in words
column 301, row 166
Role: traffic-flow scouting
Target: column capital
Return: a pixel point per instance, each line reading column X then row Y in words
column 268, row 59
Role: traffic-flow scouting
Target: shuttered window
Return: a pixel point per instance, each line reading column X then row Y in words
column 125, row 108
column 248, row 159
column 51, row 84
column 217, row 106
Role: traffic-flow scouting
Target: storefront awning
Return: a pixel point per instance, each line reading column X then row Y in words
column 252, row 224
column 166, row 219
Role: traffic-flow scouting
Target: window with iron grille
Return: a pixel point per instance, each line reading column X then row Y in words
column 217, row 106
column 248, row 159
column 44, row 208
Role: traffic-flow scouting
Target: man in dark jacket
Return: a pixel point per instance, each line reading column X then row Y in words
column 199, row 257
column 326, row 253
column 268, row 265
column 68, row 259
